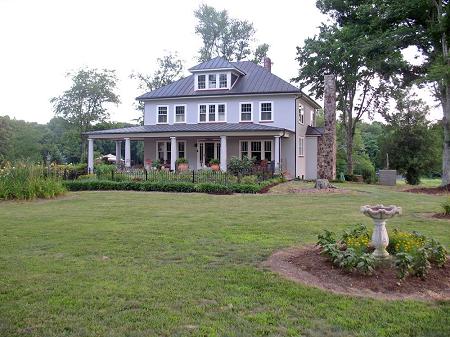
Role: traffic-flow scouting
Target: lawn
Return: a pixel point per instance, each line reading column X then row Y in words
column 161, row 264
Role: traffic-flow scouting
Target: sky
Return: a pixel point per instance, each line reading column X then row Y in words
column 40, row 41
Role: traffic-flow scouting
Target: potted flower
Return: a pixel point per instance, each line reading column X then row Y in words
column 214, row 164
column 182, row 164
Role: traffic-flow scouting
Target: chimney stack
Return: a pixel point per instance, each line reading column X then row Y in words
column 327, row 143
column 268, row 64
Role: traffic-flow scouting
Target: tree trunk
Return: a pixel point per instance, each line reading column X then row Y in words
column 349, row 144
column 446, row 122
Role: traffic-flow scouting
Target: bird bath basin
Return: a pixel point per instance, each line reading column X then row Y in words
column 379, row 214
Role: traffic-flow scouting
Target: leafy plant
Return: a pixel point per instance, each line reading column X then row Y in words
column 240, row 167
column 214, row 162
column 420, row 265
column 446, row 206
column 403, row 263
column 326, row 238
column 437, row 253
column 181, row 161
column 156, row 164
column 365, row 264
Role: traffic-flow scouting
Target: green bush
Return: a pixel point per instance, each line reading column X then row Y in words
column 412, row 176
column 27, row 181
column 446, row 206
column 213, row 188
column 240, row 167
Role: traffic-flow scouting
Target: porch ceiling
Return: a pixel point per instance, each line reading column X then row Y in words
column 189, row 130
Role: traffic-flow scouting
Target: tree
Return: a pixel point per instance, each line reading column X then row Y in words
column 170, row 69
column 5, row 135
column 422, row 24
column 85, row 102
column 226, row 37
column 347, row 53
column 408, row 142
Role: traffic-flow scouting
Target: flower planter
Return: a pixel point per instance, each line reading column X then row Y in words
column 183, row 167
column 215, row 167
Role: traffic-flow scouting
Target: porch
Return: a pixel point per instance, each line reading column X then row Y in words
column 198, row 143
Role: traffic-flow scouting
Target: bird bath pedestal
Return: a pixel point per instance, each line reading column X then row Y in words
column 379, row 214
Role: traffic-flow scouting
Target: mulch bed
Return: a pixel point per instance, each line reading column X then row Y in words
column 305, row 265
column 430, row 190
column 441, row 216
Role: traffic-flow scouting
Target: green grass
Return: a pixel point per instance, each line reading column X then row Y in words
column 189, row 265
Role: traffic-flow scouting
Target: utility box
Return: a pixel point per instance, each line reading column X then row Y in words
column 388, row 177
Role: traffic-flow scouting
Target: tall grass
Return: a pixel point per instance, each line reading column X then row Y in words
column 26, row 181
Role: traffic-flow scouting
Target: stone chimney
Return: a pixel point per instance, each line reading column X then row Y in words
column 326, row 157
column 268, row 64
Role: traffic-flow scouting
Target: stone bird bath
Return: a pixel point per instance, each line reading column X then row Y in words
column 379, row 214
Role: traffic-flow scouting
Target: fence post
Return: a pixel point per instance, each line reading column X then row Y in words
column 193, row 176
column 145, row 170
column 112, row 175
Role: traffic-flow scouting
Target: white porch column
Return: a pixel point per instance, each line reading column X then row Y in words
column 223, row 153
column 127, row 152
column 277, row 153
column 118, row 151
column 90, row 155
column 173, row 152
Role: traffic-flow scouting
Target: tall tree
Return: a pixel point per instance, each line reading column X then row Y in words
column 170, row 69
column 225, row 36
column 409, row 141
column 347, row 53
column 86, row 101
column 423, row 24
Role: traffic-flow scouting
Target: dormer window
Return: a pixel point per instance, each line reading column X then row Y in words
column 212, row 82
column 223, row 80
column 201, row 81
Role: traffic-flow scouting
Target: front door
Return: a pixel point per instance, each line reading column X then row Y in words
column 207, row 151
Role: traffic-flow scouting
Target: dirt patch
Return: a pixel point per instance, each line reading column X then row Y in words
column 305, row 265
column 441, row 216
column 430, row 190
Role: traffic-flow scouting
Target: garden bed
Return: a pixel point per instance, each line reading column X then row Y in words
column 430, row 190
column 307, row 266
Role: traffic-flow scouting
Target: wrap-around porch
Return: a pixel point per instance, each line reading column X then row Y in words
column 198, row 148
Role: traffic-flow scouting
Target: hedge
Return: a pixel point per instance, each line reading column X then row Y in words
column 185, row 187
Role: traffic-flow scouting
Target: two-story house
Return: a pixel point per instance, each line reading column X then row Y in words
column 225, row 109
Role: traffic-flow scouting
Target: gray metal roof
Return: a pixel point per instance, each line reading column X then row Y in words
column 216, row 63
column 256, row 81
column 314, row 131
column 205, row 127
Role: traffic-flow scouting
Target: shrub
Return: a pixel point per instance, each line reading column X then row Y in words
column 213, row 188
column 104, row 171
column 437, row 252
column 412, row 176
column 214, row 162
column 446, row 206
column 365, row 263
column 240, row 167
column 403, row 264
column 27, row 181
column 181, row 161
column 326, row 238
column 252, row 179
column 420, row 264
column 245, row 188
column 87, row 177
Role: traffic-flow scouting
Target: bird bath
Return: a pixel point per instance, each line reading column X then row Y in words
column 379, row 214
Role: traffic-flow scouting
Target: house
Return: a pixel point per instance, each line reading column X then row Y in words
column 225, row 109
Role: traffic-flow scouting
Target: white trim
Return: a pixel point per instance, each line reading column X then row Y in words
column 220, row 95
column 165, row 158
column 240, row 112
column 301, row 141
column 216, row 112
column 216, row 69
column 157, row 114
column 263, row 149
column 175, row 113
column 217, row 75
column 201, row 148
column 272, row 112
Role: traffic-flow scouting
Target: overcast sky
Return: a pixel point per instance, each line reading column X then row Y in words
column 42, row 40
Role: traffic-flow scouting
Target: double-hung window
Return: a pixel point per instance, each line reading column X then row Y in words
column 266, row 111
column 181, row 150
column 246, row 112
column 301, row 146
column 164, row 150
column 212, row 112
column 180, row 113
column 223, row 81
column 201, row 81
column 163, row 112
column 301, row 114
column 212, row 82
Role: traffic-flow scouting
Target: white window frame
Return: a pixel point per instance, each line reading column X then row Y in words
column 260, row 111
column 251, row 112
column 301, row 146
column 166, row 158
column 175, row 113
column 301, row 116
column 157, row 114
column 263, row 149
column 217, row 76
column 216, row 112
